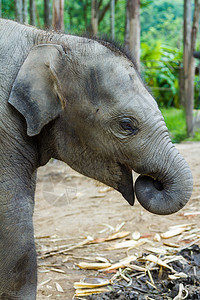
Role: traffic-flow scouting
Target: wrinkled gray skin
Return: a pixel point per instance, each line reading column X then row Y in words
column 82, row 102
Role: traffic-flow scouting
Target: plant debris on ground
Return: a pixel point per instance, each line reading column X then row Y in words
column 159, row 285
column 166, row 273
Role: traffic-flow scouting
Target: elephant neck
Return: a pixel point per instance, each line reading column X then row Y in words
column 17, row 173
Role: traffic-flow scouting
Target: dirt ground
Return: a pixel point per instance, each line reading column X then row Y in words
column 70, row 207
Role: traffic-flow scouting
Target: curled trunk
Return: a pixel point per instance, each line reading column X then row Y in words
column 167, row 193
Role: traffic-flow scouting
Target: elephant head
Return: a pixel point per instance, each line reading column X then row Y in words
column 85, row 102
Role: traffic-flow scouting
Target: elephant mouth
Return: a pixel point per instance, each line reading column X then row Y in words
column 158, row 197
column 128, row 189
column 161, row 191
column 125, row 186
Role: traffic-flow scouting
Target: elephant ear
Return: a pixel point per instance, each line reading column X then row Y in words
column 36, row 92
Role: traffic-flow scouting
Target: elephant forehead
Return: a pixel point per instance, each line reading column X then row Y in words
column 93, row 82
column 109, row 77
column 119, row 94
column 107, row 80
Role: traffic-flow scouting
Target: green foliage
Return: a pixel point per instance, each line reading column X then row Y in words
column 162, row 20
column 8, row 9
column 77, row 16
column 196, row 137
column 161, row 53
column 175, row 121
column 161, row 70
column 145, row 3
column 162, row 38
column 120, row 20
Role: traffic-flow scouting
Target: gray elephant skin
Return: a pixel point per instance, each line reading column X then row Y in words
column 83, row 102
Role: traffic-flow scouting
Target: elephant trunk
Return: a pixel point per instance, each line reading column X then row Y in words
column 168, row 190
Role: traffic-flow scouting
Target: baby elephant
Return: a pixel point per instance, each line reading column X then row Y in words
column 81, row 101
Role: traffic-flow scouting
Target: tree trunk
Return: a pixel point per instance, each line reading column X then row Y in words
column 85, row 7
column 133, row 13
column 47, row 19
column 127, row 27
column 32, row 12
column 24, row 11
column 103, row 11
column 186, row 48
column 189, row 62
column 70, row 12
column 37, row 17
column 58, row 15
column 94, row 17
column 112, row 19
column 18, row 10
column 181, row 88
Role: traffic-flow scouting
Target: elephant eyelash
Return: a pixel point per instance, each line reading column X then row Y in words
column 57, row 96
column 127, row 126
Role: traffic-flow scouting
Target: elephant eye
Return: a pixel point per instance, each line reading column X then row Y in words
column 127, row 126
